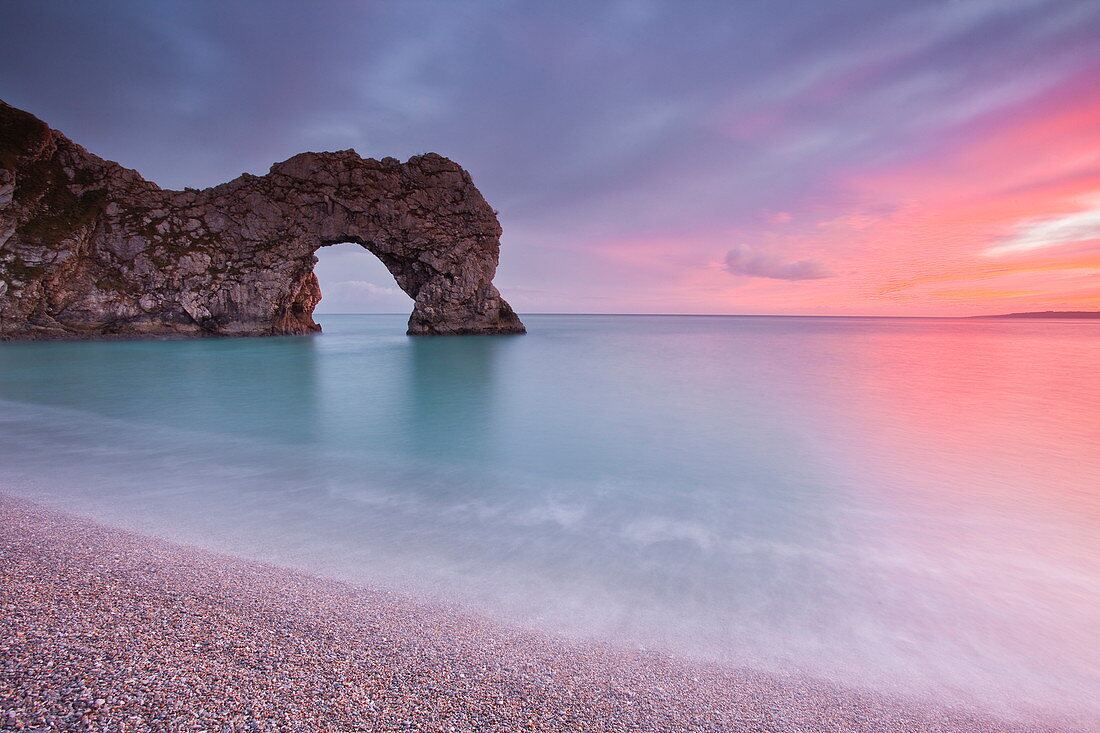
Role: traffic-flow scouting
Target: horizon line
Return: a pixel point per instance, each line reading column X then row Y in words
column 730, row 315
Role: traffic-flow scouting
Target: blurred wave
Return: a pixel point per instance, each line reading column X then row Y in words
column 911, row 504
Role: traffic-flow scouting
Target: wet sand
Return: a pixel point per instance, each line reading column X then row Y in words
column 107, row 630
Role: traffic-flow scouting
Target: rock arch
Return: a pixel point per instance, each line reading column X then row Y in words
column 91, row 249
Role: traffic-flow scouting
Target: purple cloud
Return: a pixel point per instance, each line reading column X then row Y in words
column 751, row 262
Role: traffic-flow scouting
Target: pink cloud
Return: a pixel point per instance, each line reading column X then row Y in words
column 1005, row 212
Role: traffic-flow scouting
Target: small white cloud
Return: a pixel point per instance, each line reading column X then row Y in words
column 1080, row 226
column 369, row 288
column 751, row 262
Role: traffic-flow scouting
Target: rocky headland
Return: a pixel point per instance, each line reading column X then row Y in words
column 1055, row 315
column 89, row 249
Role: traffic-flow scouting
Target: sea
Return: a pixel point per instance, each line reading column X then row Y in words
column 910, row 505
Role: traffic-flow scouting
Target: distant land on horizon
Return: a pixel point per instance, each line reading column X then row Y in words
column 1026, row 314
column 1045, row 314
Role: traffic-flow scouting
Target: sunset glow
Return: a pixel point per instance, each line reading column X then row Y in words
column 638, row 365
column 856, row 158
column 1004, row 218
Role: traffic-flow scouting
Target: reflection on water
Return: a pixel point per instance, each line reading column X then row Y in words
column 451, row 399
column 903, row 503
column 261, row 388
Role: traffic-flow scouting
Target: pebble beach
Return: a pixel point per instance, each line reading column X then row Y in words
column 107, row 630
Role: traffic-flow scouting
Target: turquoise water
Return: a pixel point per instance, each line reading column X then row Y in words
column 904, row 503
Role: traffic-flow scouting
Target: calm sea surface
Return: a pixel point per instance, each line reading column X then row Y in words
column 911, row 504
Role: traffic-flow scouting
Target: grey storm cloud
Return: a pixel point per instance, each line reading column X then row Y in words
column 752, row 262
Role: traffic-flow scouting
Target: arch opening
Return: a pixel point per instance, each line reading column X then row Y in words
column 353, row 280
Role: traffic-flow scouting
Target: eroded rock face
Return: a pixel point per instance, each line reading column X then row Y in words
column 91, row 249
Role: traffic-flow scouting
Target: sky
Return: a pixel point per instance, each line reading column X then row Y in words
column 914, row 158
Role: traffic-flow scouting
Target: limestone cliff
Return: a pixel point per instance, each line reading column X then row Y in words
column 89, row 249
